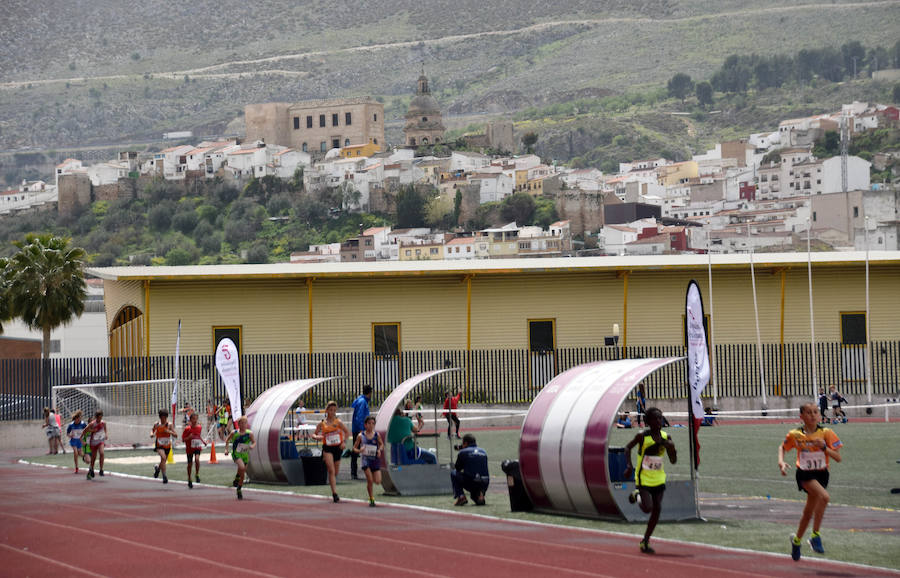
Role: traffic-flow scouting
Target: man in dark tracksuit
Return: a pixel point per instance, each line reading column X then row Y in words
column 471, row 473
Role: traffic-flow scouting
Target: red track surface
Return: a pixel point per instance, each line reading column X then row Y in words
column 55, row 522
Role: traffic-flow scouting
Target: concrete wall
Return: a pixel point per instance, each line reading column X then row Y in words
column 74, row 193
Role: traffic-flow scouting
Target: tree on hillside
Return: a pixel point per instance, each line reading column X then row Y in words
column 680, row 86
column 46, row 283
column 704, row 91
column 896, row 93
column 410, row 208
column 528, row 141
column 518, row 207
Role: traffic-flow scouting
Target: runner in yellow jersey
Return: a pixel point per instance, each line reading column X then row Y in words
column 815, row 446
column 650, row 478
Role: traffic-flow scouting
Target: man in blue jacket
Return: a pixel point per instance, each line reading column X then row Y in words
column 360, row 407
column 470, row 473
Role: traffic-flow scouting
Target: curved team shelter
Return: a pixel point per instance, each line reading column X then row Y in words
column 275, row 460
column 564, row 448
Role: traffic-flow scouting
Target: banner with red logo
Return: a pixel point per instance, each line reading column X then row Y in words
column 229, row 367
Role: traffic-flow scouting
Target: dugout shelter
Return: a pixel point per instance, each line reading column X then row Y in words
column 564, row 454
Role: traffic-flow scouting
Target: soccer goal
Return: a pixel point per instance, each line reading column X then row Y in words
column 130, row 407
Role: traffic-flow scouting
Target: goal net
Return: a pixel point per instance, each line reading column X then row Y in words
column 131, row 407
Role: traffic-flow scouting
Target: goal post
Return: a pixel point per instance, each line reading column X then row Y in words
column 130, row 407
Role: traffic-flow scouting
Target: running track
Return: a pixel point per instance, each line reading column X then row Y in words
column 56, row 523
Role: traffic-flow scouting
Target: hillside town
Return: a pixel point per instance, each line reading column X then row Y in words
column 765, row 191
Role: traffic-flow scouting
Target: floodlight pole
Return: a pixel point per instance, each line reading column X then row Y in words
column 868, row 357
column 812, row 324
column 759, row 355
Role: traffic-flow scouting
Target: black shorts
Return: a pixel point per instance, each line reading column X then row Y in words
column 191, row 455
column 335, row 452
column 156, row 448
column 820, row 476
column 653, row 490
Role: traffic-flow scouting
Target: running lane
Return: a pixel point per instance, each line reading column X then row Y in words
column 54, row 521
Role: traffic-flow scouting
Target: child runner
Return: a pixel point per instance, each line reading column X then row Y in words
column 74, row 431
column 98, row 434
column 57, row 431
column 192, row 436
column 222, row 417
column 452, row 402
column 332, row 432
column 163, row 433
column 837, row 414
column 85, row 446
column 823, row 404
column 49, row 425
column 369, row 444
column 243, row 441
column 640, row 403
column 650, row 479
column 420, row 421
column 815, row 445
column 210, row 415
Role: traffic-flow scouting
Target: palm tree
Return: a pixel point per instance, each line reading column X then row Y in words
column 46, row 283
column 5, row 312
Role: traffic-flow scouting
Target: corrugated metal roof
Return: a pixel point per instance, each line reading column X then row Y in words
column 487, row 266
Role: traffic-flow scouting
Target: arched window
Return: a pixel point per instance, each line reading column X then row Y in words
column 305, row 148
column 412, row 141
column 346, row 142
column 424, row 140
column 126, row 335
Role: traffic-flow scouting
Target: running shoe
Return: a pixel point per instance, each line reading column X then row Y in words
column 634, row 497
column 371, row 503
column 815, row 542
column 795, row 547
column 240, row 494
column 90, row 474
column 645, row 547
column 165, row 479
column 190, row 485
column 197, row 479
column 234, row 482
column 461, row 501
column 101, row 473
column 155, row 471
column 335, row 498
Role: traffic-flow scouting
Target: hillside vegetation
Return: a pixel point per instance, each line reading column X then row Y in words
column 106, row 72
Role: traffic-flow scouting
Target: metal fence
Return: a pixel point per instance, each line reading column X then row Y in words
column 503, row 376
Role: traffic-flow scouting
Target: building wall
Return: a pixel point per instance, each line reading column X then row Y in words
column 272, row 314
column 268, row 122
column 584, row 303
column 74, row 193
column 20, row 348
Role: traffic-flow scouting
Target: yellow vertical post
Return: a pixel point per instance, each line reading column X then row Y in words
column 468, row 331
column 625, row 318
column 309, row 321
column 147, row 318
column 781, row 342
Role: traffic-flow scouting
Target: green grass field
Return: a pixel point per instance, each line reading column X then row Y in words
column 736, row 460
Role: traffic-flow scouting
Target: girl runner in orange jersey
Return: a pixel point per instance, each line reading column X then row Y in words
column 163, row 433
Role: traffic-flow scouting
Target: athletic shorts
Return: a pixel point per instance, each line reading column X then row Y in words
column 95, row 447
column 653, row 490
column 373, row 464
column 75, row 443
column 335, row 451
column 820, row 476
column 243, row 456
column 156, row 448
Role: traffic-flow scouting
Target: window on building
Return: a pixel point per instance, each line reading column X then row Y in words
column 334, row 119
column 375, row 140
column 434, row 251
column 368, row 242
column 386, row 339
column 296, row 122
column 524, row 245
column 853, row 328
column 424, row 119
column 321, row 120
column 323, row 146
column 347, row 143
column 418, row 252
column 855, row 211
column 335, row 143
column 304, row 148
column 408, row 252
column 541, row 335
column 375, row 117
column 309, row 122
column 348, row 120
column 468, row 249
column 55, row 346
column 814, row 215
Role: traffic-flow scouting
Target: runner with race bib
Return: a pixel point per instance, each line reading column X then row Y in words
column 192, row 436
column 242, row 440
column 815, row 446
column 97, row 436
column 163, row 434
column 369, row 444
column 332, row 432
column 650, row 480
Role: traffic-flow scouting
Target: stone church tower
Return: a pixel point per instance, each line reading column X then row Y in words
column 424, row 126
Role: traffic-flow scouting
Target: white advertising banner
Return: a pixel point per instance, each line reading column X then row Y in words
column 229, row 368
column 698, row 356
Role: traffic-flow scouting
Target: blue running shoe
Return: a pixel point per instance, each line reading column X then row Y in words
column 815, row 542
column 795, row 547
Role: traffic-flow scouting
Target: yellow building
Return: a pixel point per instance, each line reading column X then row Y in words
column 423, row 252
column 363, row 150
column 677, row 173
column 495, row 304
